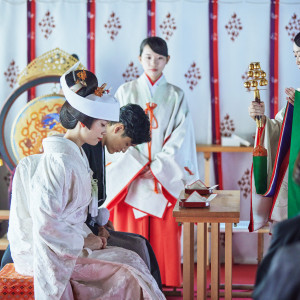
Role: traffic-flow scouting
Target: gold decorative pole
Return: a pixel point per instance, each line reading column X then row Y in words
column 257, row 77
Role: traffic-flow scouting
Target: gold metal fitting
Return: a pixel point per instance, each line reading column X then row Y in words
column 247, row 84
column 250, row 74
column 254, row 83
column 256, row 74
column 257, row 66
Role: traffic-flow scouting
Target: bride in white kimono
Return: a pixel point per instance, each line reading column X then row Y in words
column 50, row 197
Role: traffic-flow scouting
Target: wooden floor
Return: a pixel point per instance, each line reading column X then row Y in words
column 241, row 275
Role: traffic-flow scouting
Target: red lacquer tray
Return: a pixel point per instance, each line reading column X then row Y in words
column 199, row 191
column 193, row 204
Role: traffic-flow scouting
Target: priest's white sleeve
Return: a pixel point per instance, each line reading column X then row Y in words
column 270, row 138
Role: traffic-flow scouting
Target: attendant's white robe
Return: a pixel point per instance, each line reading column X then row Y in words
column 173, row 164
column 50, row 197
column 173, row 150
column 262, row 206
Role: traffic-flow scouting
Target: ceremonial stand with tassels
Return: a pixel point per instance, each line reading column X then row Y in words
column 256, row 77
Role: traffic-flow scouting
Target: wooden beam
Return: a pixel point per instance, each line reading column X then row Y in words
column 4, row 214
column 219, row 148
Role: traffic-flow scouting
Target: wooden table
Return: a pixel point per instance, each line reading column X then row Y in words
column 209, row 149
column 4, row 215
column 225, row 208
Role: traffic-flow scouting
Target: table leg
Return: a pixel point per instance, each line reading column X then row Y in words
column 260, row 247
column 215, row 260
column 207, row 156
column 188, row 261
column 201, row 260
column 228, row 261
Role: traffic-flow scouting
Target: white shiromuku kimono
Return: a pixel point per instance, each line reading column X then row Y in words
column 262, row 206
column 50, row 197
column 173, row 149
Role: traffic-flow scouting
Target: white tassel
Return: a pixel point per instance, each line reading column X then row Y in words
column 93, row 207
column 103, row 216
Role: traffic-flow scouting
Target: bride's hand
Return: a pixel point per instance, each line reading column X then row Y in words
column 94, row 242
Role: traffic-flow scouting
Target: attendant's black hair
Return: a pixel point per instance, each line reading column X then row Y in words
column 136, row 123
column 297, row 39
column 69, row 116
column 157, row 44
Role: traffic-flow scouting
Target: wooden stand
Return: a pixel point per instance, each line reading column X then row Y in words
column 225, row 208
column 207, row 151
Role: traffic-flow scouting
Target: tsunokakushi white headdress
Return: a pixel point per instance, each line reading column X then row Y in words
column 99, row 105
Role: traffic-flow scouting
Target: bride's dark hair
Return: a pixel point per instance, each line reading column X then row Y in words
column 69, row 116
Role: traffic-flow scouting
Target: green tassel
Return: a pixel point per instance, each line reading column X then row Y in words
column 260, row 173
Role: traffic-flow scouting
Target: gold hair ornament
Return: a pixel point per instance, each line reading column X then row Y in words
column 100, row 90
column 82, row 77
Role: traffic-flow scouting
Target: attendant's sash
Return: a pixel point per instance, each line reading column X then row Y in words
column 293, row 188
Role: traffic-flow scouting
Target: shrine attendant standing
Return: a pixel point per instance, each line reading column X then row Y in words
column 145, row 182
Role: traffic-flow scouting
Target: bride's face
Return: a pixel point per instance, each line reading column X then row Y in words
column 296, row 50
column 95, row 134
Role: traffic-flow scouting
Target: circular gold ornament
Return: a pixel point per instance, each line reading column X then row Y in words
column 38, row 119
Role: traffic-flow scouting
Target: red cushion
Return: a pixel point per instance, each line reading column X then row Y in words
column 15, row 286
